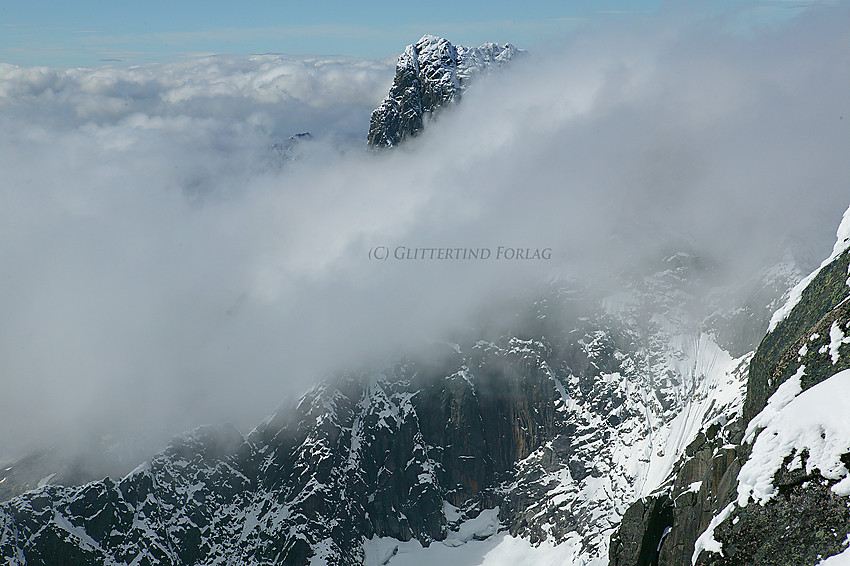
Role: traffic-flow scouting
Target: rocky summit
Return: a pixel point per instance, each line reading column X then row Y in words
column 430, row 74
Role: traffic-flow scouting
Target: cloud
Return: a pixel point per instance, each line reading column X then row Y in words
column 159, row 269
column 134, row 208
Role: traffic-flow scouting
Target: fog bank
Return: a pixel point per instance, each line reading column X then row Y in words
column 161, row 268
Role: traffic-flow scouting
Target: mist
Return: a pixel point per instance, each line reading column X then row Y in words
column 162, row 269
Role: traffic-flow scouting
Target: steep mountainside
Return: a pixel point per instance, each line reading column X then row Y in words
column 771, row 486
column 430, row 74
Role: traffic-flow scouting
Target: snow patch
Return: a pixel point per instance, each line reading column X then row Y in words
column 482, row 527
column 836, row 339
column 714, row 388
column 706, row 540
column 450, row 512
column 79, row 533
column 842, row 559
column 783, row 395
column 324, row 553
column 478, row 542
column 814, row 420
column 45, row 480
column 663, row 536
column 499, row 550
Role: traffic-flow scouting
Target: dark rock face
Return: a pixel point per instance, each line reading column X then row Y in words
column 157, row 514
column 430, row 74
column 805, row 521
column 554, row 419
column 556, row 422
column 367, row 455
column 704, row 482
column 645, row 526
column 529, row 422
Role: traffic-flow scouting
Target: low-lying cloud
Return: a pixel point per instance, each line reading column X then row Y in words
column 160, row 269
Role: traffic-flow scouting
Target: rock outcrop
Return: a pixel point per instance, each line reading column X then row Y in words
column 285, row 150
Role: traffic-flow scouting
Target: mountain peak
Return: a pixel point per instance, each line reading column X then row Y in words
column 430, row 74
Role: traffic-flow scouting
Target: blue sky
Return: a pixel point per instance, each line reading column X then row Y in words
column 90, row 33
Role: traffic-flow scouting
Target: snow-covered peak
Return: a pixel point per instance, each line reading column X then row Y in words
column 430, row 74
column 430, row 48
column 476, row 59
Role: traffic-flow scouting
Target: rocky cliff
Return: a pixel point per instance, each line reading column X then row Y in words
column 430, row 74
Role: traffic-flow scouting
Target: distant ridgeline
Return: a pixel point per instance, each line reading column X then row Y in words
column 430, row 74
